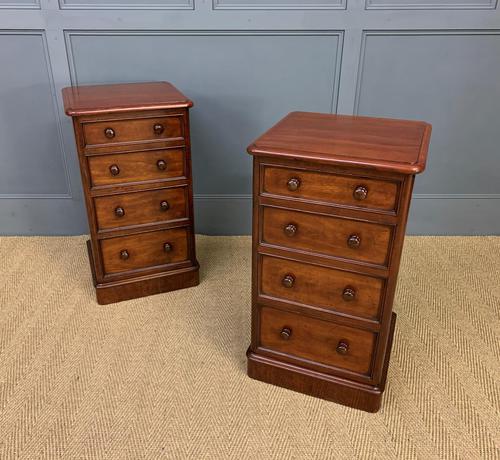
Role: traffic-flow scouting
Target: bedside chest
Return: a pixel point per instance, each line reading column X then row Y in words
column 134, row 152
column 330, row 205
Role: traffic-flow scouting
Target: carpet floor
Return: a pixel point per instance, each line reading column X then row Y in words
column 164, row 376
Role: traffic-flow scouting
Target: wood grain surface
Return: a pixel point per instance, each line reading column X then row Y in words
column 97, row 99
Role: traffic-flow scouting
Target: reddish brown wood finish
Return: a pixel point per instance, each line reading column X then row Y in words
column 136, row 167
column 319, row 287
column 125, row 97
column 132, row 131
column 140, row 286
column 326, row 235
column 144, row 250
column 320, row 384
column 331, row 201
column 364, row 142
column 330, row 188
column 314, row 340
column 135, row 161
column 139, row 208
column 118, row 132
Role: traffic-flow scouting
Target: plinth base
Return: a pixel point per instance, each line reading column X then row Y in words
column 142, row 286
column 325, row 386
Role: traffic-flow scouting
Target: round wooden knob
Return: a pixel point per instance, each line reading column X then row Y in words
column 167, row 247
column 161, row 164
column 164, row 206
column 124, row 255
column 119, row 211
column 354, row 241
column 348, row 294
column 290, row 229
column 109, row 133
column 286, row 333
column 114, row 170
column 288, row 281
column 158, row 129
column 293, row 184
column 360, row 192
column 342, row 347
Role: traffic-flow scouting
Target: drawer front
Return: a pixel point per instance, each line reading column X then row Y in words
column 112, row 132
column 141, row 208
column 326, row 288
column 136, row 167
column 330, row 188
column 332, row 236
column 316, row 340
column 144, row 250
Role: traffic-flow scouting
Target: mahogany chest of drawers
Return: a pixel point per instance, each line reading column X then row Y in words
column 134, row 151
column 330, row 205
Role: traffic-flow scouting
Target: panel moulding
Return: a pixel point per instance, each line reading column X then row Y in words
column 318, row 5
column 335, row 33
column 62, row 151
column 429, row 5
column 82, row 5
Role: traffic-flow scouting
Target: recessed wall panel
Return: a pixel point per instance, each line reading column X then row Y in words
column 126, row 4
column 280, row 4
column 20, row 4
column 30, row 148
column 430, row 4
column 241, row 84
column 451, row 80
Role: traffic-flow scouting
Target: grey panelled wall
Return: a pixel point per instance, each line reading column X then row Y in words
column 234, row 97
column 246, row 63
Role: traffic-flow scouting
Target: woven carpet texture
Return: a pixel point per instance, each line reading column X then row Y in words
column 165, row 376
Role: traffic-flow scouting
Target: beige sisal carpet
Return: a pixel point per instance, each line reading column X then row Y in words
column 164, row 376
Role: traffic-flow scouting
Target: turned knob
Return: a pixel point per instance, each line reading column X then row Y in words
column 167, row 247
column 109, row 133
column 342, row 347
column 164, row 206
column 158, row 129
column 124, row 255
column 114, row 170
column 286, row 333
column 119, row 211
column 360, row 192
column 161, row 165
column 348, row 294
column 293, row 184
column 290, row 229
column 354, row 241
column 288, row 281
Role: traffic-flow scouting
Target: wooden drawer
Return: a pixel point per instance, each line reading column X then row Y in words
column 315, row 340
column 131, row 131
column 136, row 167
column 325, row 288
column 129, row 209
column 358, row 192
column 144, row 250
column 327, row 235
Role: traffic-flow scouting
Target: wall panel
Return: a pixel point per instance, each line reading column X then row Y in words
column 20, row 4
column 421, row 75
column 31, row 148
column 430, row 4
column 280, row 4
column 126, row 4
column 241, row 84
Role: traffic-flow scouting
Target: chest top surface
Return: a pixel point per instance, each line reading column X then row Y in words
column 125, row 97
column 374, row 143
